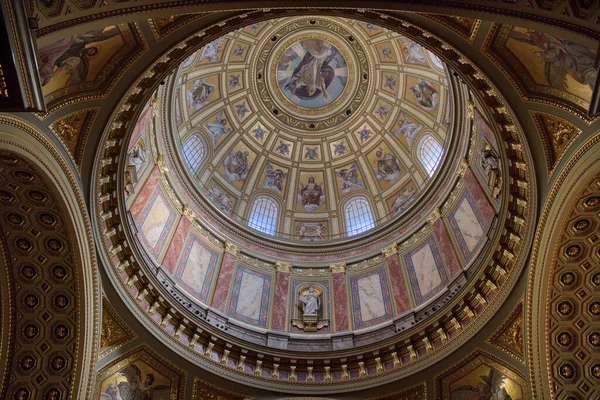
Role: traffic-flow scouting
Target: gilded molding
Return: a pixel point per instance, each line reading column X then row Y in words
column 509, row 336
column 337, row 267
column 283, row 266
column 232, row 249
column 390, row 250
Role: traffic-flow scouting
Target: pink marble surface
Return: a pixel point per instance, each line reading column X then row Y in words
column 144, row 193
column 219, row 300
column 479, row 196
column 279, row 317
column 174, row 251
column 340, row 302
column 398, row 281
column 446, row 248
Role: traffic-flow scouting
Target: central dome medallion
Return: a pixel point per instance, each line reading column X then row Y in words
column 312, row 128
column 312, row 74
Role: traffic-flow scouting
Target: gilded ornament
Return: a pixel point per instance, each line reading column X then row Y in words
column 565, row 308
column 390, row 250
column 573, row 250
column 283, row 266
column 338, row 267
column 595, row 308
column 232, row 249
column 567, row 278
column 567, row 371
column 564, row 339
column 594, row 339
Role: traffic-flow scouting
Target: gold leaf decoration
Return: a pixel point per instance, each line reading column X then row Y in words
column 115, row 332
column 557, row 134
column 509, row 337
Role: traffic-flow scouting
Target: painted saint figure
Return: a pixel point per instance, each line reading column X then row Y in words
column 426, row 95
column 407, row 129
column 311, row 195
column 236, row 166
column 217, row 128
column 310, row 302
column 199, row 94
column 350, row 179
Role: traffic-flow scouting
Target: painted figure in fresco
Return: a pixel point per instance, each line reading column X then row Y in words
column 310, row 302
column 72, row 55
column 221, row 199
column 311, row 231
column 313, row 75
column 311, row 153
column 236, row 166
column 387, row 167
column 561, row 57
column 111, row 393
column 311, row 195
column 350, row 179
column 273, row 178
column 210, row 52
column 490, row 387
column 414, row 53
column 217, row 128
column 199, row 94
column 407, row 129
column 426, row 95
column 137, row 157
column 402, row 201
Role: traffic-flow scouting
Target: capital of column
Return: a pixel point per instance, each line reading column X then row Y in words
column 232, row 249
column 390, row 250
column 188, row 213
column 283, row 267
column 337, row 267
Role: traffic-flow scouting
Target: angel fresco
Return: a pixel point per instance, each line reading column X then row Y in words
column 236, row 166
column 426, row 95
column 490, row 387
column 387, row 167
column 130, row 386
column 407, row 128
column 274, row 178
column 217, row 128
column 561, row 57
column 199, row 94
column 72, row 55
column 350, row 179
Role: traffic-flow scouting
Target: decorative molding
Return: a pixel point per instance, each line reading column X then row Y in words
column 509, row 337
column 337, row 267
column 390, row 250
column 114, row 331
column 557, row 136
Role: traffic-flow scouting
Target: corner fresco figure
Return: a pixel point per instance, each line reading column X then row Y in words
column 426, row 95
column 312, row 73
column 130, row 386
column 72, row 55
column 561, row 58
column 490, row 387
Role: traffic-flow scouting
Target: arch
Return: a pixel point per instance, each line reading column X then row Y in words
column 48, row 189
column 358, row 216
column 194, row 151
column 429, row 153
column 264, row 215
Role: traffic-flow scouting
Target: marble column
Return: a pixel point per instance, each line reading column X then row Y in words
column 279, row 318
column 398, row 281
column 340, row 297
column 224, row 276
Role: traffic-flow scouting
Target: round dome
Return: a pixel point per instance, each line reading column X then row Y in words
column 311, row 129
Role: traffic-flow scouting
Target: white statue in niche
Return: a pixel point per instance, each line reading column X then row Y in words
column 310, row 302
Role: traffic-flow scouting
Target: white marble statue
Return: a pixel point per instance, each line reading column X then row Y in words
column 310, row 301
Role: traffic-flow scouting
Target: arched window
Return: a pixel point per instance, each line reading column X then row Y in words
column 194, row 152
column 263, row 217
column 358, row 216
column 430, row 154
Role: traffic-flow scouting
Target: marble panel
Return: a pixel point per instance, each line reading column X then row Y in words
column 426, row 270
column 340, row 302
column 196, row 267
column 250, row 296
column 169, row 264
column 371, row 300
column 398, row 283
column 223, row 281
column 487, row 211
column 279, row 317
column 468, row 225
column 447, row 250
column 145, row 192
column 156, row 221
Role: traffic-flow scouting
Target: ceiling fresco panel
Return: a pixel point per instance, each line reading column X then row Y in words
column 545, row 67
